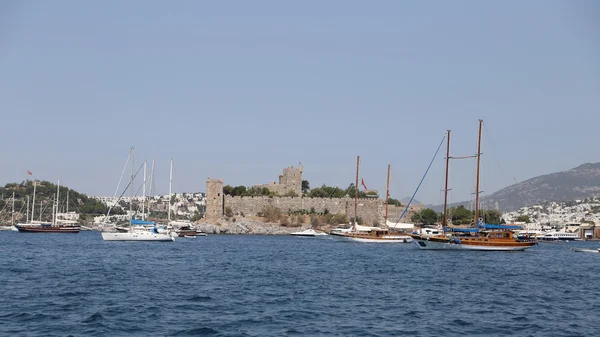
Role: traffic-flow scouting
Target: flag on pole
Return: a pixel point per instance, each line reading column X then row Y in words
column 29, row 172
column 363, row 183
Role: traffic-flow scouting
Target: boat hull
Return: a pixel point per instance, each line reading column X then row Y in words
column 446, row 245
column 585, row 250
column 368, row 237
column 137, row 237
column 48, row 229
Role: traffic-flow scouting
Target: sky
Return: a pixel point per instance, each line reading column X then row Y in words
column 241, row 89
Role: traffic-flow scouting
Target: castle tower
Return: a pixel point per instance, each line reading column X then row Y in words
column 291, row 180
column 214, row 198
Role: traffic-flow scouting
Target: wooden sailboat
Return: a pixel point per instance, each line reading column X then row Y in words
column 483, row 237
column 371, row 234
column 47, row 227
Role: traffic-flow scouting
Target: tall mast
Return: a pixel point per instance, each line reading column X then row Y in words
column 33, row 202
column 144, row 192
column 445, row 219
column 57, row 203
column 53, row 207
column 170, row 183
column 387, row 195
column 356, row 193
column 27, row 216
column 41, row 210
column 67, row 211
column 477, row 181
column 152, row 179
column 12, row 221
column 131, row 200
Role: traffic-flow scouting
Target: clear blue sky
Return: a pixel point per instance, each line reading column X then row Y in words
column 241, row 89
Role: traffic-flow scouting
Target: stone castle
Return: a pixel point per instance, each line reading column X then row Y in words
column 372, row 211
column 290, row 182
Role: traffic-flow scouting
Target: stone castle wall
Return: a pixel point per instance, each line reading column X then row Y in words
column 369, row 210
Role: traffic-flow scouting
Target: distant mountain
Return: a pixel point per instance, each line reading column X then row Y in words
column 577, row 183
column 415, row 202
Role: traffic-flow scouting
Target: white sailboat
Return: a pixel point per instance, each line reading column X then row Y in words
column 360, row 233
column 138, row 233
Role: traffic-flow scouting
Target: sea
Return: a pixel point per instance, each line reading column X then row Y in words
column 244, row 285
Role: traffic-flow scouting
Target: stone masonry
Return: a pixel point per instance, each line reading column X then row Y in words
column 370, row 210
column 289, row 181
column 214, row 198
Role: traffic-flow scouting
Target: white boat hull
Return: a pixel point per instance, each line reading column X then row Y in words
column 383, row 239
column 136, row 237
column 585, row 250
column 434, row 245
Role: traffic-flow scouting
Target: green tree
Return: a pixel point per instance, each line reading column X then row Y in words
column 227, row 190
column 393, row 201
column 491, row 216
column 305, row 186
column 523, row 218
column 460, row 215
column 426, row 216
column 239, row 190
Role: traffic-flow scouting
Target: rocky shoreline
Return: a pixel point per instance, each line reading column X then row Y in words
column 250, row 227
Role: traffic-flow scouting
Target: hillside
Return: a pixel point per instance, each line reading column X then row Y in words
column 44, row 198
column 577, row 183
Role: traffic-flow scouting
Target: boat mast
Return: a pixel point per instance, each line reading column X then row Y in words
column 387, row 195
column 445, row 219
column 67, row 210
column 477, row 179
column 27, row 216
column 41, row 210
column 152, row 179
column 170, row 183
column 33, row 202
column 356, row 194
column 12, row 221
column 144, row 192
column 57, row 203
column 131, row 200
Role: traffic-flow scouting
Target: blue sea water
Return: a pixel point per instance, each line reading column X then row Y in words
column 79, row 285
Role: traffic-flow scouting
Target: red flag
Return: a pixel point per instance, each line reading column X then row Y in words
column 29, row 172
column 363, row 183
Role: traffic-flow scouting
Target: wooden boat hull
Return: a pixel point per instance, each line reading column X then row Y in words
column 137, row 237
column 47, row 229
column 444, row 243
column 185, row 233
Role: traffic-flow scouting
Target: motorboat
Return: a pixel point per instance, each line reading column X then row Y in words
column 309, row 233
column 586, row 250
column 137, row 234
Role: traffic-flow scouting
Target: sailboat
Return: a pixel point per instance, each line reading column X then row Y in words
column 12, row 221
column 180, row 228
column 140, row 233
column 31, row 226
column 484, row 236
column 366, row 233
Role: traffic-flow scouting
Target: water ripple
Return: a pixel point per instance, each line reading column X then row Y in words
column 79, row 285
